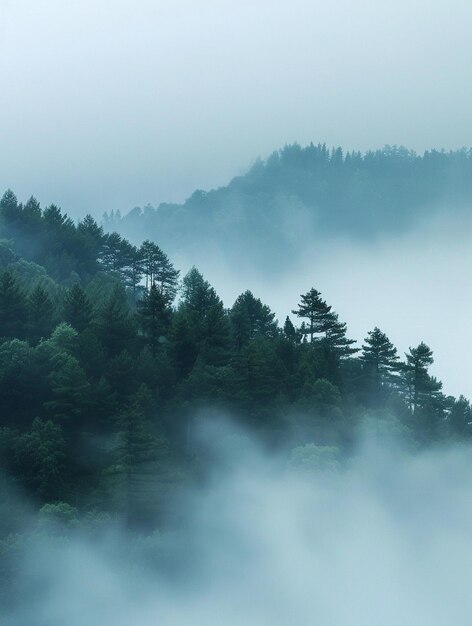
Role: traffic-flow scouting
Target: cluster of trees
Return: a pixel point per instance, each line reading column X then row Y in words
column 73, row 253
column 300, row 194
column 103, row 369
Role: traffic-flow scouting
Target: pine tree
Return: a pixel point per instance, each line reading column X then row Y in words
column 39, row 459
column 21, row 383
column 289, row 330
column 259, row 376
column 10, row 212
column 92, row 239
column 250, row 318
column 422, row 388
column 322, row 321
column 335, row 333
column 13, row 307
column 71, row 392
column 314, row 309
column 197, row 294
column 40, row 313
column 111, row 254
column 154, row 316
column 183, row 344
column 215, row 342
column 380, row 356
column 77, row 309
column 460, row 416
column 159, row 270
column 206, row 318
column 133, row 273
column 114, row 325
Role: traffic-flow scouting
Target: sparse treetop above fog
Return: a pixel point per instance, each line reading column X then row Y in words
column 301, row 194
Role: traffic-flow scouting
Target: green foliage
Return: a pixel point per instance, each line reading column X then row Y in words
column 323, row 324
column 380, row 355
column 70, row 391
column 158, row 271
column 115, row 326
column 421, row 386
column 7, row 253
column 20, row 383
column 78, row 310
column 39, row 459
column 102, row 374
column 13, row 307
column 155, row 316
column 62, row 340
column 460, row 416
column 203, row 321
column 57, row 515
column 316, row 459
column 250, row 318
column 41, row 314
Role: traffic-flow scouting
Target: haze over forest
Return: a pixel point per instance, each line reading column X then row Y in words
column 388, row 224
column 115, row 104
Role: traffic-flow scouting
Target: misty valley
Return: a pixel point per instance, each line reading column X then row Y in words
column 168, row 457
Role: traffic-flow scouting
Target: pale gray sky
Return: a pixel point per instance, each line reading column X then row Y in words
column 110, row 104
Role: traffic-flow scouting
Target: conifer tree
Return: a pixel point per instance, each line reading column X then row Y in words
column 40, row 313
column 290, row 331
column 133, row 273
column 206, row 318
column 9, row 214
column 92, row 238
column 460, row 416
column 114, row 325
column 77, row 309
column 250, row 318
column 158, row 269
column 335, row 333
column 322, row 321
column 380, row 356
column 39, row 458
column 154, row 316
column 111, row 255
column 13, row 307
column 183, row 343
column 422, row 388
column 70, row 390
column 314, row 309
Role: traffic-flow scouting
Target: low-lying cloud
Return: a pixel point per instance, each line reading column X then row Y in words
column 381, row 537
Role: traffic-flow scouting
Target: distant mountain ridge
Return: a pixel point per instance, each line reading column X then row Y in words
column 304, row 194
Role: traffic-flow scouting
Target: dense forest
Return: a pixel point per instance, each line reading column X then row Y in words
column 300, row 195
column 108, row 356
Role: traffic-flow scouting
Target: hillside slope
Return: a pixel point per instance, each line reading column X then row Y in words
column 300, row 195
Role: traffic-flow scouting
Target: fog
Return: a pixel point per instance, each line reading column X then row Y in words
column 107, row 105
column 415, row 287
column 382, row 536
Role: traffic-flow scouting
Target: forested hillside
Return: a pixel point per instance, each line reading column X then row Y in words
column 301, row 195
column 107, row 357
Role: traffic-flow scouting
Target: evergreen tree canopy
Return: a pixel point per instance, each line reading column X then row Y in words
column 422, row 388
column 78, row 310
column 13, row 307
column 250, row 318
column 322, row 321
column 380, row 355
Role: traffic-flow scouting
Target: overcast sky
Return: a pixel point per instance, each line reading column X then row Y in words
column 112, row 104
